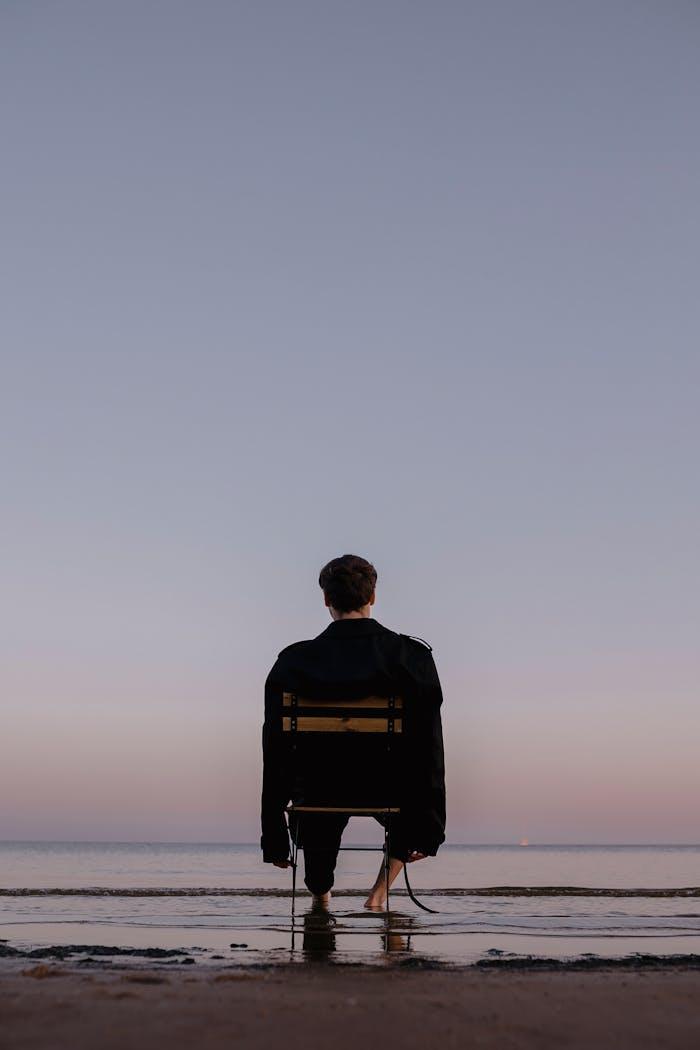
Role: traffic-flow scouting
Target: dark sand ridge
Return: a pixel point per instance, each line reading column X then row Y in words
column 56, row 1006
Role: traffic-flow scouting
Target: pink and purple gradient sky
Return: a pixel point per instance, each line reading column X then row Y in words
column 415, row 281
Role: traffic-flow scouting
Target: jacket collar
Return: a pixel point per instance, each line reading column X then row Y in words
column 355, row 628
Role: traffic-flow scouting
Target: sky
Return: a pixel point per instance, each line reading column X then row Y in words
column 411, row 280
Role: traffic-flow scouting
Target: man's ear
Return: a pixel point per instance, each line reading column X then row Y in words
column 326, row 602
column 372, row 597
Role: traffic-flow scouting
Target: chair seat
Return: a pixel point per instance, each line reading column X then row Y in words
column 357, row 811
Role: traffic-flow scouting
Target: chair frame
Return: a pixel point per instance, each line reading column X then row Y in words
column 370, row 715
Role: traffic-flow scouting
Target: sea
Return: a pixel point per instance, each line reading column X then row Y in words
column 217, row 904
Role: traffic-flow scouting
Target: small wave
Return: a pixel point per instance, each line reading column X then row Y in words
column 452, row 891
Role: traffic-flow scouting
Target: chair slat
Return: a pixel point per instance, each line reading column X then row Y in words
column 319, row 724
column 357, row 810
column 363, row 702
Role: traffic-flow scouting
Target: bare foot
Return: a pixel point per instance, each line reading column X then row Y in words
column 377, row 895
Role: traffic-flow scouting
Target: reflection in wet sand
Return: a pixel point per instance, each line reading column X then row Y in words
column 320, row 928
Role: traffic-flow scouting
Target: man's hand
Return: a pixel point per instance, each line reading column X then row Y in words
column 415, row 855
column 282, row 863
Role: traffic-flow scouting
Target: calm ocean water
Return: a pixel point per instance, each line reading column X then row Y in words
column 221, row 900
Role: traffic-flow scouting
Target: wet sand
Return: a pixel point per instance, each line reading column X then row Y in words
column 51, row 1005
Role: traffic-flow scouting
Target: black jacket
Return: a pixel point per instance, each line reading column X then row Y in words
column 354, row 658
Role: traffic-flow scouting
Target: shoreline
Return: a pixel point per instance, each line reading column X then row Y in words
column 261, row 891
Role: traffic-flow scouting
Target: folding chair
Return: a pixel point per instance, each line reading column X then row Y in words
column 359, row 733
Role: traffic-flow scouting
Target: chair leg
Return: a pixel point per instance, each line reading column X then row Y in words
column 294, row 880
column 295, row 852
column 386, row 864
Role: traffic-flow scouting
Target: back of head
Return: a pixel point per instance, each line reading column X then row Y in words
column 348, row 582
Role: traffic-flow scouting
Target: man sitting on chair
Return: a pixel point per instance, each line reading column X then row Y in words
column 356, row 657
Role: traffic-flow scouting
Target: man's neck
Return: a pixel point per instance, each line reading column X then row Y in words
column 356, row 614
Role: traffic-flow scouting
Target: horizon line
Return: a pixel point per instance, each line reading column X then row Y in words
column 255, row 845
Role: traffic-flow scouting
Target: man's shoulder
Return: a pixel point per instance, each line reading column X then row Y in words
column 416, row 643
column 410, row 651
column 411, row 641
column 416, row 656
column 295, row 647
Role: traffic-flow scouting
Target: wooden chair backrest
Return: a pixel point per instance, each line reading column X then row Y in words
column 370, row 714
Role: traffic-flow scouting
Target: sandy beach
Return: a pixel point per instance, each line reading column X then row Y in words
column 51, row 1006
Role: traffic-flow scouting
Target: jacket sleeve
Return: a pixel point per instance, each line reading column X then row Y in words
column 276, row 789
column 426, row 810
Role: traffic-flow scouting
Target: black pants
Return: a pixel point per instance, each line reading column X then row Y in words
column 320, row 834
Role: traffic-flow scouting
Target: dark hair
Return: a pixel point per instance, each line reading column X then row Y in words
column 348, row 582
